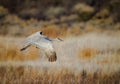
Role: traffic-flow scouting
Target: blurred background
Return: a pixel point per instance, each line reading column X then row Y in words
column 61, row 17
column 89, row 54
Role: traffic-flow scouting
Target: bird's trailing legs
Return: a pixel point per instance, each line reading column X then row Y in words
column 51, row 57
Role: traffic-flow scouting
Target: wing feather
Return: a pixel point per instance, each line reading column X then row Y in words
column 24, row 48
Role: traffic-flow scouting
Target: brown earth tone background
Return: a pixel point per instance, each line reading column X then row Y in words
column 88, row 54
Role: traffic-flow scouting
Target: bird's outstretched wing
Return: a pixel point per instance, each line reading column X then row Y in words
column 32, row 40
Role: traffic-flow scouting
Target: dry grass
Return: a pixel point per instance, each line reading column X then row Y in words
column 30, row 75
column 87, row 53
column 86, row 59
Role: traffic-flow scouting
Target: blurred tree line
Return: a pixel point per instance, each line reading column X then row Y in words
column 36, row 8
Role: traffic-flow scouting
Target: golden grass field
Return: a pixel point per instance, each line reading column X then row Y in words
column 92, row 58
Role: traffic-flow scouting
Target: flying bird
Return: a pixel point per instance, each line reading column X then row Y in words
column 43, row 42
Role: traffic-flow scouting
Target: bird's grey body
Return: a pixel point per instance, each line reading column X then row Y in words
column 43, row 42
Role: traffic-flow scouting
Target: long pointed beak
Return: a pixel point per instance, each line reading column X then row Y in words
column 60, row 39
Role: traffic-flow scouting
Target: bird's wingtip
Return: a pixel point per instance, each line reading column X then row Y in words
column 22, row 49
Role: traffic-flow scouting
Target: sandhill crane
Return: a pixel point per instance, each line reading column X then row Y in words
column 43, row 42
